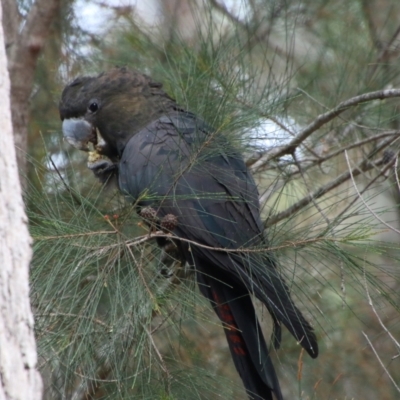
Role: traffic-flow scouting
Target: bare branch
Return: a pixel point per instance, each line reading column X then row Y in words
column 392, row 137
column 71, row 315
column 300, row 169
column 160, row 357
column 364, row 166
column 141, row 239
column 377, row 315
column 359, row 144
column 365, row 204
column 75, row 235
column 370, row 183
column 11, row 23
column 396, row 172
column 321, row 120
column 257, row 37
column 26, row 48
column 380, row 362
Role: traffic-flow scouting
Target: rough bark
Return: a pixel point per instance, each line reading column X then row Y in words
column 19, row 378
column 23, row 49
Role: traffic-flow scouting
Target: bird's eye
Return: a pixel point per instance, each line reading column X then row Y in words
column 93, row 106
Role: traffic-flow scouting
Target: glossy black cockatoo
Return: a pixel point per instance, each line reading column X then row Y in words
column 170, row 161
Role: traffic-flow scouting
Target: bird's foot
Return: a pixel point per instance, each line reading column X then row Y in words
column 102, row 168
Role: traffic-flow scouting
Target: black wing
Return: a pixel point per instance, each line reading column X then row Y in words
column 178, row 166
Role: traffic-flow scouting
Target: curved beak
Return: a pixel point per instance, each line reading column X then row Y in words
column 79, row 133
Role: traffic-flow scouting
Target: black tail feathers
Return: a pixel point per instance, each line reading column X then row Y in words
column 249, row 351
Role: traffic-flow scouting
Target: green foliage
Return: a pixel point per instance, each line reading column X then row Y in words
column 110, row 325
column 103, row 307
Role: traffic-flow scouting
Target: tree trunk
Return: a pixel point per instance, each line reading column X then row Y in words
column 19, row 378
column 23, row 48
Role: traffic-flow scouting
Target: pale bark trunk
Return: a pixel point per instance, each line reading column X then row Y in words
column 19, row 378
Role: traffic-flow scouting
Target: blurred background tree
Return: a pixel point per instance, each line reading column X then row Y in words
column 267, row 74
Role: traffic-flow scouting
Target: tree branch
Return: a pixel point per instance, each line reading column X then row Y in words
column 365, row 203
column 321, row 120
column 364, row 166
column 319, row 161
column 11, row 24
column 380, row 362
column 257, row 37
column 26, row 48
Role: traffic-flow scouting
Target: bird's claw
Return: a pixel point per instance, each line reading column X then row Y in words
column 173, row 264
column 102, row 168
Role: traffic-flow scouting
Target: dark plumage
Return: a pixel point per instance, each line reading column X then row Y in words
column 170, row 160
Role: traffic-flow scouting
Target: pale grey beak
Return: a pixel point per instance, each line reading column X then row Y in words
column 78, row 132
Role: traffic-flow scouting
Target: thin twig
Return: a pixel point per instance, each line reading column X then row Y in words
column 377, row 315
column 75, row 235
column 318, row 160
column 367, row 186
column 163, row 365
column 164, row 319
column 240, row 250
column 364, row 166
column 258, row 37
column 321, row 120
column 142, row 276
column 60, row 314
column 361, row 198
column 324, row 216
column 396, row 173
column 358, row 144
column 380, row 362
column 160, row 234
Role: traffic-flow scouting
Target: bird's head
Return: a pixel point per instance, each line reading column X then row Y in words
column 113, row 105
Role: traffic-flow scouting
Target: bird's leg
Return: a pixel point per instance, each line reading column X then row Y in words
column 172, row 261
